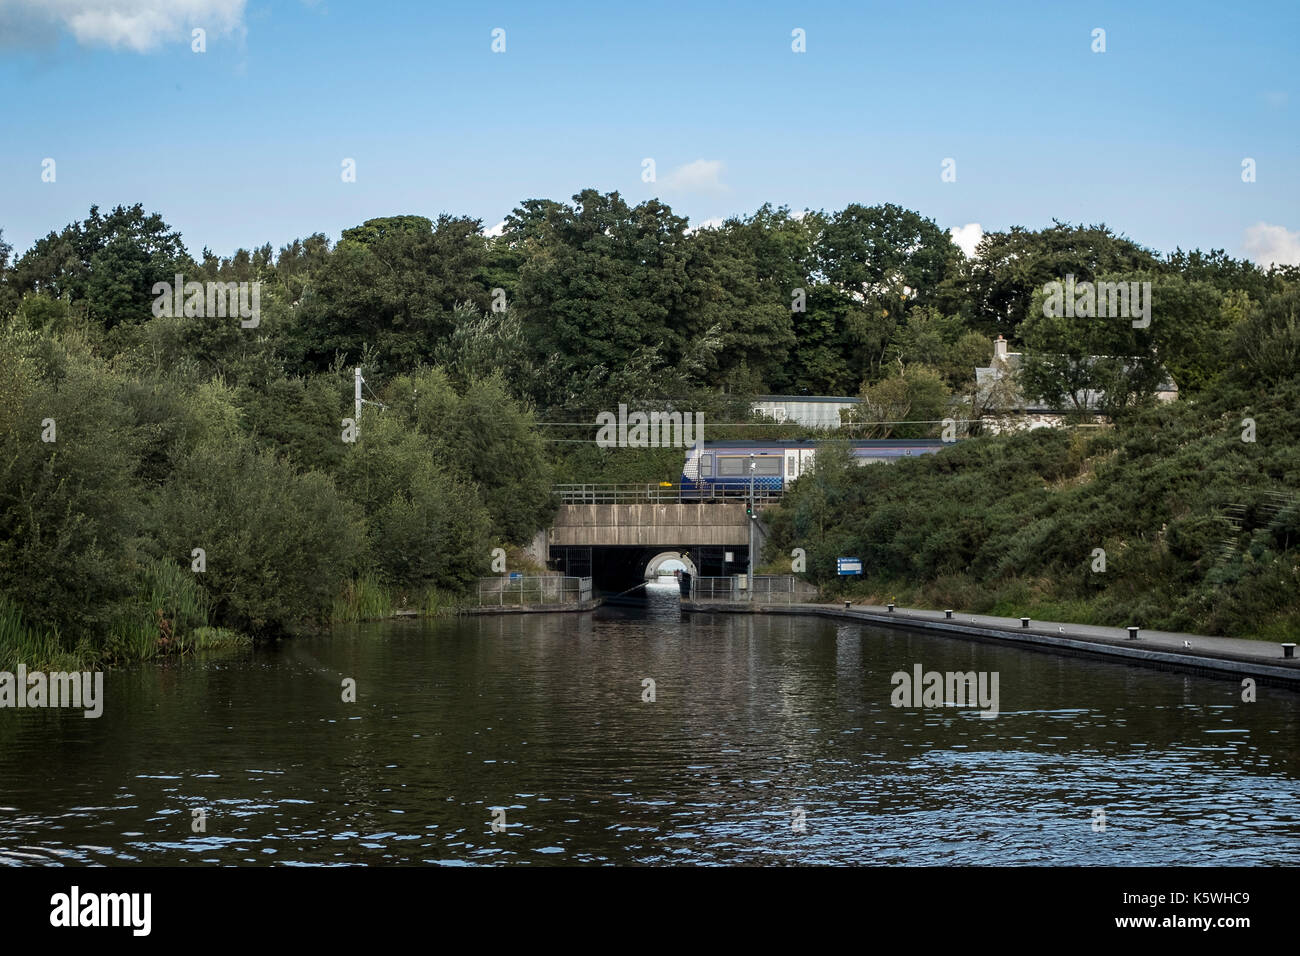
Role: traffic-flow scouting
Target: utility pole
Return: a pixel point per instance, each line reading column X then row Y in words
column 357, row 380
column 749, row 577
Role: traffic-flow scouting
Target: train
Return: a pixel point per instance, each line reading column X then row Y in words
column 722, row 467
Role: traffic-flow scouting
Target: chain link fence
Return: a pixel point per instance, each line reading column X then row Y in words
column 767, row 589
column 534, row 589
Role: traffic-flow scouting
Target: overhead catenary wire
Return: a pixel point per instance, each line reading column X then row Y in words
column 771, row 424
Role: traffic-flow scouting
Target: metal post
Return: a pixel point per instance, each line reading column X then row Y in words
column 357, row 401
column 749, row 577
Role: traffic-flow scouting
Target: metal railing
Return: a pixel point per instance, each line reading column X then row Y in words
column 664, row 493
column 534, row 589
column 765, row 589
column 713, row 589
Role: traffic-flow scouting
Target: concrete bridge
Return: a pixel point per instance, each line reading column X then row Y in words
column 651, row 525
column 621, row 534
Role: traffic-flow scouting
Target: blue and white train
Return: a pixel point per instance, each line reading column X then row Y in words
column 714, row 467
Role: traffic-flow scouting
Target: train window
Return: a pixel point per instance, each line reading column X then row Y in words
column 739, row 465
column 789, row 470
column 706, row 464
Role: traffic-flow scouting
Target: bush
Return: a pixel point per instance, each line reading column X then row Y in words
column 1021, row 516
column 277, row 544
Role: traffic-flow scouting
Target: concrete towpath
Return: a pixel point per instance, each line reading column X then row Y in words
column 1221, row 656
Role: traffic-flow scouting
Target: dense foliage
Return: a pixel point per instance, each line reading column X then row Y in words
column 131, row 439
column 1169, row 520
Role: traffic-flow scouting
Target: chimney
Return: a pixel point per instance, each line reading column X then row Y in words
column 1000, row 349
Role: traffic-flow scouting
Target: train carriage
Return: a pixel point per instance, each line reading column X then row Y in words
column 715, row 468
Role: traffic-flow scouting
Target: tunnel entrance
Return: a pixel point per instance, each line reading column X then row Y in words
column 669, row 561
column 616, row 568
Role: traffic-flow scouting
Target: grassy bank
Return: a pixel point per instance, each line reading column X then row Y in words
column 164, row 621
column 1017, row 597
column 367, row 598
column 1170, row 520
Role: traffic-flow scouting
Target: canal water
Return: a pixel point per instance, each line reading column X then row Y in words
column 530, row 739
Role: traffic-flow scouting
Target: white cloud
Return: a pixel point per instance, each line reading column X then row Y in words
column 967, row 237
column 1267, row 245
column 139, row 25
column 497, row 230
column 703, row 175
column 713, row 222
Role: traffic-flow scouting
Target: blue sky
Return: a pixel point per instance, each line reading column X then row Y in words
column 243, row 144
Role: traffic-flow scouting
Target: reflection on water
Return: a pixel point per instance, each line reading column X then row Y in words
column 753, row 718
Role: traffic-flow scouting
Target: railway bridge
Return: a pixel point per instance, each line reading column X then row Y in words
column 621, row 534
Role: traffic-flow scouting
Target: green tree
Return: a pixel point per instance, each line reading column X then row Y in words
column 70, row 500
column 602, row 280
column 874, row 251
column 1267, row 343
column 8, row 292
column 1088, row 361
column 1010, row 267
column 427, row 527
column 914, row 394
column 747, row 317
column 483, row 344
column 111, row 262
column 484, row 438
column 943, row 342
column 278, row 544
column 391, row 287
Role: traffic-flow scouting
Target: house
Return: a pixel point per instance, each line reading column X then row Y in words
column 1002, row 407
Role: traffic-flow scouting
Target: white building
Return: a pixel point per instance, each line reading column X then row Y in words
column 811, row 411
column 1000, row 401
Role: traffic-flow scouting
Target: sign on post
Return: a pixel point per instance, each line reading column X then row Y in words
column 848, row 565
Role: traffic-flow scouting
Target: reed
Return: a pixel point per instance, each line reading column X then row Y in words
column 364, row 598
column 38, row 648
column 163, row 617
column 437, row 603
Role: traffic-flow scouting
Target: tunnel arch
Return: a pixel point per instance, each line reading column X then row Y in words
column 663, row 557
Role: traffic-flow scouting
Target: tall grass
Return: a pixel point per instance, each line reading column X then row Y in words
column 439, row 603
column 367, row 598
column 364, row 598
column 167, row 614
column 38, row 648
column 162, row 617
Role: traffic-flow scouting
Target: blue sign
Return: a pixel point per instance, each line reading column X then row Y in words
column 849, row 565
column 516, row 575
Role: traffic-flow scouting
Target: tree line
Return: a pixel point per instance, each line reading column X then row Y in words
column 180, row 432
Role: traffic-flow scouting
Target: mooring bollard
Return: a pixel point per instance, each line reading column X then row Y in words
column 1288, row 650
column 948, row 614
column 1024, row 622
column 890, row 607
column 1132, row 633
